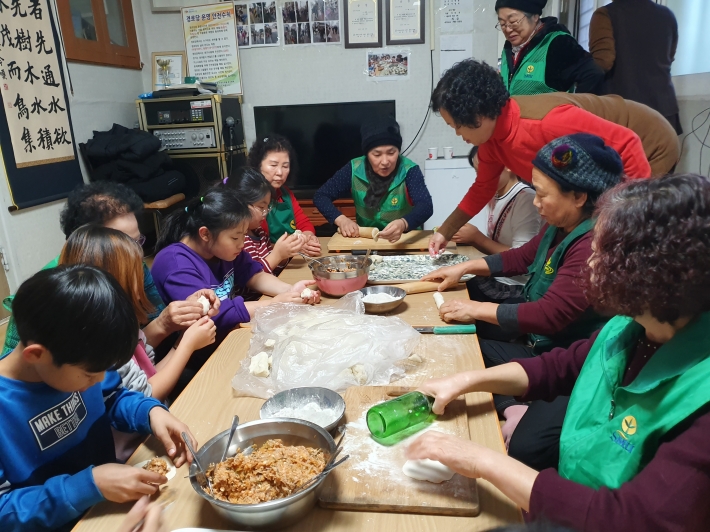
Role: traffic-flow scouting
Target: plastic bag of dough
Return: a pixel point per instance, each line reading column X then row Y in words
column 334, row 346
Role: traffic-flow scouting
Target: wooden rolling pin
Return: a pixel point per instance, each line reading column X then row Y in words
column 368, row 232
column 418, row 287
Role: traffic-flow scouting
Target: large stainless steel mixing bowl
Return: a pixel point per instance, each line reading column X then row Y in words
column 277, row 513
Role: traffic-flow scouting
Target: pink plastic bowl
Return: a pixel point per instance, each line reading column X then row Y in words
column 340, row 287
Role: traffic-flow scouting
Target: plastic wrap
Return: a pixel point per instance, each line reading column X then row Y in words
column 334, row 346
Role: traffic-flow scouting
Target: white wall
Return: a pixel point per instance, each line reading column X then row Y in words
column 693, row 93
column 102, row 96
column 326, row 74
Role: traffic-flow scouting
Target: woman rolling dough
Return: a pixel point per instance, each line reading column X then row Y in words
column 388, row 189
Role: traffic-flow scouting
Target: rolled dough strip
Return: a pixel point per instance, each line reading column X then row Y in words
column 429, row 470
column 438, row 299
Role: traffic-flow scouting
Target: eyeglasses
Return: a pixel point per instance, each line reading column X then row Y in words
column 264, row 212
column 140, row 240
column 512, row 24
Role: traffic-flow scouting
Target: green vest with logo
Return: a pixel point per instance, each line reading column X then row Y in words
column 542, row 274
column 529, row 77
column 281, row 219
column 611, row 432
column 394, row 205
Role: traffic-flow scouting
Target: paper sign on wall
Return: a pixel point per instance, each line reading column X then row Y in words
column 32, row 90
column 211, row 44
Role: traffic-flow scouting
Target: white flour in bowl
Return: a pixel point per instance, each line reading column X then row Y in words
column 379, row 298
column 310, row 412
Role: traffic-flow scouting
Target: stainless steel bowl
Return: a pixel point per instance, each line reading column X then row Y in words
column 296, row 397
column 277, row 513
column 379, row 308
column 341, row 262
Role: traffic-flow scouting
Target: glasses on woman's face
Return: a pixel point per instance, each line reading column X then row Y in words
column 263, row 212
column 511, row 24
column 140, row 240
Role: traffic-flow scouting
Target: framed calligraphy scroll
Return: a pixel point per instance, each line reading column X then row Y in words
column 362, row 24
column 36, row 127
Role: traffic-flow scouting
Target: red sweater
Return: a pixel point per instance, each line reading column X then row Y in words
column 302, row 221
column 516, row 141
column 670, row 494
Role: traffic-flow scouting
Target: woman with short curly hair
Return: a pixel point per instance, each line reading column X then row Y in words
column 472, row 99
column 633, row 448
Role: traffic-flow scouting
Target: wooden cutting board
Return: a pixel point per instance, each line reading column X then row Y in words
column 372, row 479
column 412, row 241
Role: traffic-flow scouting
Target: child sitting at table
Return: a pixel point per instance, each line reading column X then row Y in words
column 201, row 247
column 254, row 190
column 59, row 399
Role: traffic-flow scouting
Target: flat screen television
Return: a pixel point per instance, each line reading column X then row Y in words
column 324, row 136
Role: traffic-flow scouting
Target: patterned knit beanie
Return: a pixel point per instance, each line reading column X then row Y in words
column 580, row 162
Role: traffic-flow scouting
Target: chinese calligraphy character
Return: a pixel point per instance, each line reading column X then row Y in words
column 35, row 9
column 48, row 77
column 41, row 44
column 27, row 139
column 44, row 139
column 60, row 136
column 5, row 33
column 16, row 8
column 30, row 75
column 2, row 74
column 22, row 41
column 37, row 107
column 54, row 105
column 21, row 108
column 3, row 5
column 13, row 69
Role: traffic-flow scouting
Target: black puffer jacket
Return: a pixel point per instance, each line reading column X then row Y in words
column 567, row 62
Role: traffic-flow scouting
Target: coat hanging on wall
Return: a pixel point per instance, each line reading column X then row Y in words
column 36, row 139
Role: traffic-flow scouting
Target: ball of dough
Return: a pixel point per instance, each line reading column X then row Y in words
column 438, row 299
column 270, row 343
column 259, row 365
column 205, row 304
column 416, row 358
column 359, row 374
column 307, row 293
column 426, row 469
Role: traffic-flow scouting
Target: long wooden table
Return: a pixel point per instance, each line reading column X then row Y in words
column 419, row 310
column 208, row 404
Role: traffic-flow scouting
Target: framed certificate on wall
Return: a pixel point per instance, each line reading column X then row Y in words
column 362, row 24
column 405, row 22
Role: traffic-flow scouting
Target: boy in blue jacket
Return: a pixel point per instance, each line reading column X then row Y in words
column 59, row 397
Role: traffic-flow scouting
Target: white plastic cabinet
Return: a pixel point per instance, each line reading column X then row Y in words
column 448, row 180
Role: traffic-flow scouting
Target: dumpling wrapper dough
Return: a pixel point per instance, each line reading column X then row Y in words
column 426, row 469
column 270, row 343
column 307, row 293
column 438, row 299
column 205, row 304
column 259, row 365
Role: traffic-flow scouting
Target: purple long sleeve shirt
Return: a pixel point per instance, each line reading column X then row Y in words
column 180, row 272
column 670, row 494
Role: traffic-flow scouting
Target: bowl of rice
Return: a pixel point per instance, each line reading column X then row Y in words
column 267, row 462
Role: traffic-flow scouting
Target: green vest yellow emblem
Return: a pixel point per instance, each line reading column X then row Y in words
column 549, row 270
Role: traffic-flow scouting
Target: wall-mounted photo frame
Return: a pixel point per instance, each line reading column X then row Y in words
column 405, row 22
column 169, row 68
column 362, row 25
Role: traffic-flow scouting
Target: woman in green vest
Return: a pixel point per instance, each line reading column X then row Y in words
column 634, row 449
column 569, row 175
column 540, row 55
column 388, row 189
column 275, row 158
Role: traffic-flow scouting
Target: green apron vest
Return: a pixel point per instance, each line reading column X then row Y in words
column 393, row 206
column 542, row 274
column 529, row 77
column 610, row 433
column 281, row 219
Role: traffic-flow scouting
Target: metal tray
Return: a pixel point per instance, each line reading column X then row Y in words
column 409, row 268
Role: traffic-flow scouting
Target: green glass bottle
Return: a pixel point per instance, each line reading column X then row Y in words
column 396, row 415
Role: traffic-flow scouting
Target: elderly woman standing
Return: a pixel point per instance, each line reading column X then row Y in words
column 388, row 189
column 540, row 55
column 634, row 452
column 569, row 175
